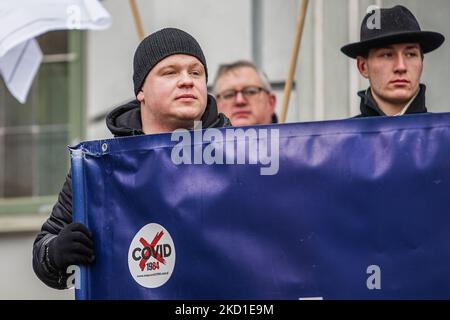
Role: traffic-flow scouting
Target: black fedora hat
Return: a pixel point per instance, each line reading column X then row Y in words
column 398, row 25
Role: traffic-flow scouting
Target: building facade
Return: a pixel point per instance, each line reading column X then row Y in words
column 86, row 74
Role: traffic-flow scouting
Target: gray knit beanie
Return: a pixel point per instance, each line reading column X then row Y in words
column 160, row 45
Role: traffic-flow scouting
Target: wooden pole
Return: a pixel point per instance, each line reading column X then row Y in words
column 294, row 57
column 137, row 19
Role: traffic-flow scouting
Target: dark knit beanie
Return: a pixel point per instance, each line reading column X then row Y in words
column 160, row 45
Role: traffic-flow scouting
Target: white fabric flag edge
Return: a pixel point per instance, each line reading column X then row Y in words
column 19, row 67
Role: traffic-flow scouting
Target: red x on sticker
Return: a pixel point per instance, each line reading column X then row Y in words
column 153, row 252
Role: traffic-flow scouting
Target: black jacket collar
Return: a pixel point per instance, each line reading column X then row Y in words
column 126, row 119
column 369, row 107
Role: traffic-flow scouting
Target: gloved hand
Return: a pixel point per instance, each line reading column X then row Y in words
column 72, row 246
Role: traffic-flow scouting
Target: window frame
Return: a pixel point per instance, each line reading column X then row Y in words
column 76, row 125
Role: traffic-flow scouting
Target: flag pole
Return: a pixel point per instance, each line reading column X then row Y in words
column 294, row 57
column 137, row 19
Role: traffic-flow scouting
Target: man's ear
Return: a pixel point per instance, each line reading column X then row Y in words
column 273, row 101
column 363, row 68
column 140, row 96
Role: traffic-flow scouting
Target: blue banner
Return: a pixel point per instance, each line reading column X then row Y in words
column 351, row 209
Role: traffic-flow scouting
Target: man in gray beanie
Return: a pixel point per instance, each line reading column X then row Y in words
column 170, row 78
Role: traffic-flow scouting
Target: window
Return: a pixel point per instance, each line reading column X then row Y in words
column 34, row 159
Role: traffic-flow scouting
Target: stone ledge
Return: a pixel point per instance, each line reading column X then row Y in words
column 21, row 223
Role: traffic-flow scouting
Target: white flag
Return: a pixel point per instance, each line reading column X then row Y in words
column 19, row 67
column 23, row 20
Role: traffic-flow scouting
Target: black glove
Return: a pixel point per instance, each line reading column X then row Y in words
column 72, row 246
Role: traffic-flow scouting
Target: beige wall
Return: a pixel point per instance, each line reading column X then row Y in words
column 17, row 279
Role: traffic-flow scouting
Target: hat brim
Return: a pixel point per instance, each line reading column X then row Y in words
column 428, row 41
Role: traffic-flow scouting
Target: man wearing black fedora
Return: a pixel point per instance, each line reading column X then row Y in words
column 390, row 55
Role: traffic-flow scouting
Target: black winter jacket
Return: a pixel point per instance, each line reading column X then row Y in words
column 369, row 107
column 122, row 121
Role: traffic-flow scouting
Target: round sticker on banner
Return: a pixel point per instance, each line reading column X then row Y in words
column 151, row 257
